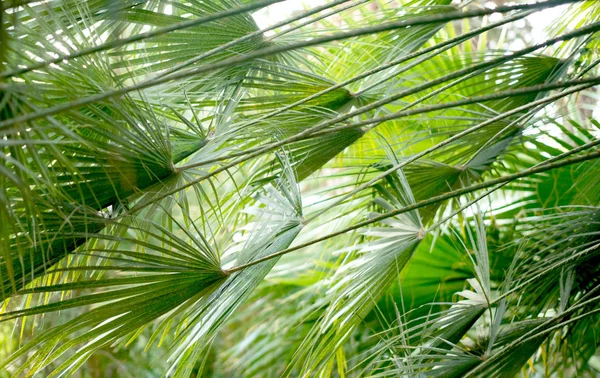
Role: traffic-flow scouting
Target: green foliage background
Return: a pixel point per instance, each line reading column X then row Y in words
column 364, row 188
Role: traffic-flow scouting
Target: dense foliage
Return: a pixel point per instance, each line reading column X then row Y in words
column 364, row 188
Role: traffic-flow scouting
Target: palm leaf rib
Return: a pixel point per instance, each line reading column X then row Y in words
column 316, row 41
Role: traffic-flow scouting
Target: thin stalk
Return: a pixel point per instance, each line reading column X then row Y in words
column 312, row 42
column 450, row 140
column 252, row 35
column 357, row 3
column 444, row 88
column 490, row 141
column 541, row 330
column 574, row 151
column 456, row 193
column 477, row 199
column 443, row 46
column 524, row 116
column 138, row 37
column 413, row 158
column 495, row 62
column 18, row 3
column 589, row 68
column 468, row 204
column 549, row 269
column 585, row 83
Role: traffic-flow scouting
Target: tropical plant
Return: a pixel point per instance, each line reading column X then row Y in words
column 364, row 188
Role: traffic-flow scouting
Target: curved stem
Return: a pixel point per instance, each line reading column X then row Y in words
column 138, row 37
column 252, row 35
column 4, row 125
column 443, row 46
column 451, row 140
column 584, row 83
column 393, row 169
column 430, row 201
column 479, row 67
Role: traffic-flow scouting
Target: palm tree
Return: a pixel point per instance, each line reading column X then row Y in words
column 364, row 188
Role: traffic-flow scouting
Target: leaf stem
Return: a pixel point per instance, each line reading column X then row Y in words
column 430, row 201
column 451, row 140
column 584, row 84
column 393, row 169
column 443, row 46
column 312, row 42
column 468, row 70
column 251, row 35
column 138, row 37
